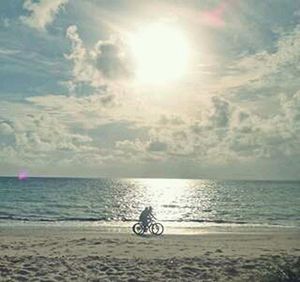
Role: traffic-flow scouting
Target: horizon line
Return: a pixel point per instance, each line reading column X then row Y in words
column 150, row 177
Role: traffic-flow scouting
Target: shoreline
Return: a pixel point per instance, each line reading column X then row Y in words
column 175, row 228
column 87, row 254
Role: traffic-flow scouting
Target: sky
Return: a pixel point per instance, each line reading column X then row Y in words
column 180, row 89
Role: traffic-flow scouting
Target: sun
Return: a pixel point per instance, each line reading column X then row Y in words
column 160, row 52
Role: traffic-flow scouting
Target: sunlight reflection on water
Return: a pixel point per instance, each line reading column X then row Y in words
column 174, row 199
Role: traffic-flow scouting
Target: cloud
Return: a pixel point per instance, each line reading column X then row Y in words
column 5, row 128
column 84, row 70
column 8, row 52
column 44, row 133
column 220, row 116
column 41, row 139
column 157, row 146
column 254, row 70
column 87, row 112
column 111, row 60
column 139, row 151
column 223, row 134
column 41, row 13
column 102, row 65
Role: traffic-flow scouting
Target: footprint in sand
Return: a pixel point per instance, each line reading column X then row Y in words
column 191, row 269
column 23, row 272
column 248, row 266
column 21, row 278
column 231, row 271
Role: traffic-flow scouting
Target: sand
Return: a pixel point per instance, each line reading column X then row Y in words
column 89, row 254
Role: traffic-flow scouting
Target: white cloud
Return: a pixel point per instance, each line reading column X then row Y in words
column 83, row 69
column 33, row 137
column 224, row 134
column 220, row 132
column 5, row 128
column 41, row 13
column 44, row 133
column 8, row 52
column 254, row 69
column 99, row 66
column 87, row 112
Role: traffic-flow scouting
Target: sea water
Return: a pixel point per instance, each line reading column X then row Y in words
column 76, row 200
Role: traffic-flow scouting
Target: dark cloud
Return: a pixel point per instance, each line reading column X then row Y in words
column 112, row 62
column 173, row 120
column 157, row 146
column 220, row 116
column 107, row 100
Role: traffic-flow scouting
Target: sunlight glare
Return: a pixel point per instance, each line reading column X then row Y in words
column 163, row 192
column 161, row 53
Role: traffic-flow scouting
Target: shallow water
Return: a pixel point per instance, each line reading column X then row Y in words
column 177, row 201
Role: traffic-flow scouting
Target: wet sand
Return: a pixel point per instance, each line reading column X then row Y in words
column 88, row 254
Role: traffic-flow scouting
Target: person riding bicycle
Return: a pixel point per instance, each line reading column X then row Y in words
column 146, row 216
column 146, row 223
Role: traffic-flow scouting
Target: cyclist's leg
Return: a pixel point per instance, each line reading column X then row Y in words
column 148, row 222
column 144, row 223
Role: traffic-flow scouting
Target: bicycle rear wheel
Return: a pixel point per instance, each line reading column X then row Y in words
column 138, row 229
column 157, row 228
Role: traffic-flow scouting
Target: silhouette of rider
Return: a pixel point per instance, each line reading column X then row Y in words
column 146, row 216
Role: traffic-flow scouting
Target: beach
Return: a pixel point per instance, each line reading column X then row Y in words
column 57, row 253
column 64, row 229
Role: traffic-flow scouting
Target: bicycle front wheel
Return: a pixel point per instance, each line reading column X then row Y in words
column 157, row 228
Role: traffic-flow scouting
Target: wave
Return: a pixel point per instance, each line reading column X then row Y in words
column 209, row 221
column 105, row 219
column 20, row 218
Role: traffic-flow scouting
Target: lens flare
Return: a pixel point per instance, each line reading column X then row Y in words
column 22, row 175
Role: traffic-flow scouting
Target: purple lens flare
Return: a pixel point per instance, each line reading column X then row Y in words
column 22, row 175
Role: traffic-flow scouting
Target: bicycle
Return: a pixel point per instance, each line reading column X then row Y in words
column 153, row 227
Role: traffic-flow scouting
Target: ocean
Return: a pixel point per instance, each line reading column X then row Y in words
column 177, row 201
